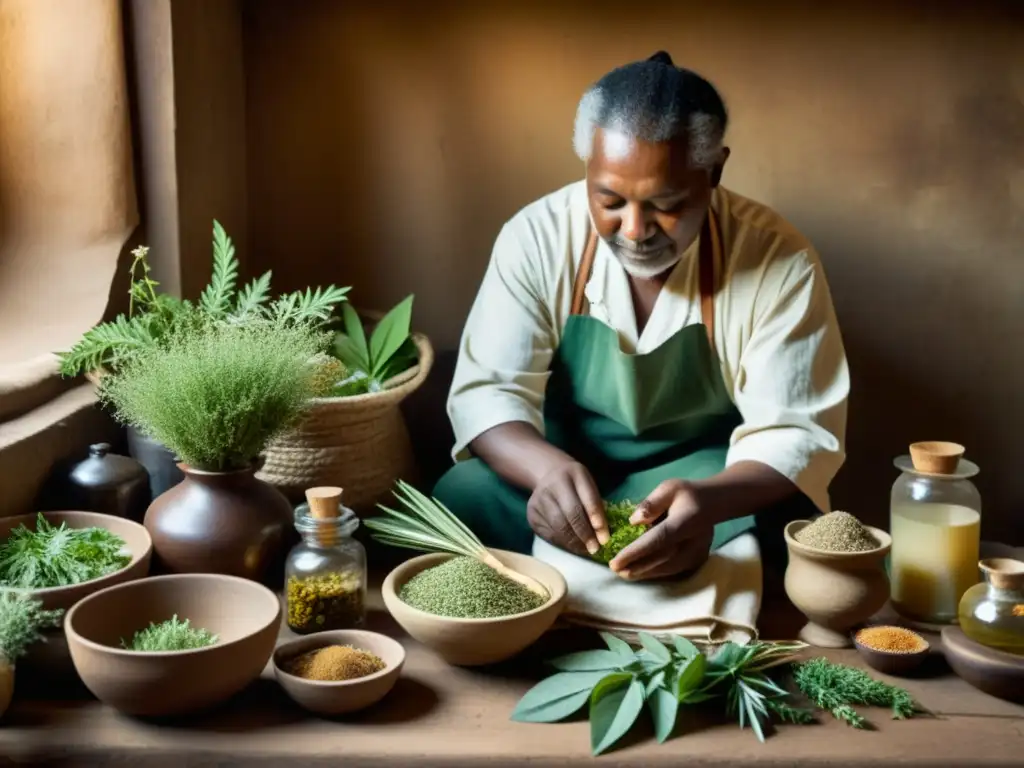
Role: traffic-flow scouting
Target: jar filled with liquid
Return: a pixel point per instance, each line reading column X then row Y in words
column 992, row 612
column 935, row 524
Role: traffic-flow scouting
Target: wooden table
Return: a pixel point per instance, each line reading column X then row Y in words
column 443, row 717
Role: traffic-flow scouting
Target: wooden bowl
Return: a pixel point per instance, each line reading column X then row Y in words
column 245, row 615
column 836, row 591
column 995, row 672
column 135, row 536
column 343, row 696
column 892, row 663
column 475, row 642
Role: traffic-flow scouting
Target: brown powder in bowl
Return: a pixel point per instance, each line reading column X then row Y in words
column 334, row 663
column 891, row 640
column 837, row 532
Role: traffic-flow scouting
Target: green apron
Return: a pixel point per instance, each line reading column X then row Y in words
column 633, row 420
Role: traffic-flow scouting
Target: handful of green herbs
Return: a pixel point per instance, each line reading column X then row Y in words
column 216, row 397
column 616, row 683
column 21, row 619
column 170, row 635
column 621, row 532
column 58, row 556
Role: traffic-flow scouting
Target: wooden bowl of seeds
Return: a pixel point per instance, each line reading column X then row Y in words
column 469, row 614
column 836, row 575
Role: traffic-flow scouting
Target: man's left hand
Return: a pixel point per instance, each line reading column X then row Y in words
column 679, row 540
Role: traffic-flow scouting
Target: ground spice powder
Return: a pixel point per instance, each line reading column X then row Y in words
column 891, row 640
column 465, row 588
column 334, row 663
column 837, row 532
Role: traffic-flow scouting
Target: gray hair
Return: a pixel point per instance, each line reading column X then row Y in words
column 656, row 101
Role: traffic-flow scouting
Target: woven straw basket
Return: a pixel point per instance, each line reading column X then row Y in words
column 359, row 443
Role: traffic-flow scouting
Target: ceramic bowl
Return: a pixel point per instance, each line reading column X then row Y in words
column 344, row 696
column 244, row 615
column 997, row 673
column 836, row 591
column 136, row 539
column 474, row 642
column 890, row 663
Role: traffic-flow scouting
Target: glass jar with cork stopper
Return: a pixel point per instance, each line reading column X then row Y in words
column 935, row 523
column 325, row 574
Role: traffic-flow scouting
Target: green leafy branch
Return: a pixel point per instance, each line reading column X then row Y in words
column 153, row 317
column 22, row 619
column 616, row 683
column 389, row 351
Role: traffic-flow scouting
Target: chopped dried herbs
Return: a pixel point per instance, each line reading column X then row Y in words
column 334, row 663
column 325, row 601
column 837, row 532
column 466, row 588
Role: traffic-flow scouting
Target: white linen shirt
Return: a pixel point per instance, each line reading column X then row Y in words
column 776, row 335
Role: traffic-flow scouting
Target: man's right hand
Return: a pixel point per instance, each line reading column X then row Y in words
column 566, row 509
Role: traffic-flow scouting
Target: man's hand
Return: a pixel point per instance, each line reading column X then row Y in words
column 678, row 541
column 566, row 509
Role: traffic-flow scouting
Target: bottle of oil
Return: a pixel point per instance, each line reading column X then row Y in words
column 992, row 612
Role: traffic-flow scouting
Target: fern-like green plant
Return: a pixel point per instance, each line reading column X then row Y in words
column 154, row 318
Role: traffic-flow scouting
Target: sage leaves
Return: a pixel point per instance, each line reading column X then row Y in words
column 615, row 683
column 388, row 352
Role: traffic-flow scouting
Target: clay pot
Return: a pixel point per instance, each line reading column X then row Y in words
column 836, row 591
column 6, row 684
column 222, row 522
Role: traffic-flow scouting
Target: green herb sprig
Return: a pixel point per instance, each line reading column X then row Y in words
column 837, row 688
column 154, row 318
column 58, row 556
column 389, row 351
column 616, row 683
column 621, row 532
column 170, row 635
column 21, row 619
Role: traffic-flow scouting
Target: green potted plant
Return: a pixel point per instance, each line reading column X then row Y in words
column 216, row 397
column 22, row 620
column 355, row 436
column 155, row 318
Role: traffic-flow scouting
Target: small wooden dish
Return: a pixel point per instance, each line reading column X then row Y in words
column 344, row 696
column 995, row 672
column 895, row 663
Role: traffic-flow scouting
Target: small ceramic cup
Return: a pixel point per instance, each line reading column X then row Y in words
column 836, row 591
column 343, row 696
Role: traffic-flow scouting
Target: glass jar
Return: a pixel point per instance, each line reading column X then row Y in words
column 325, row 574
column 992, row 612
column 935, row 524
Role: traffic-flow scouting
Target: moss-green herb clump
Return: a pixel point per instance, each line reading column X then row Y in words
column 21, row 619
column 465, row 588
column 622, row 532
column 215, row 398
column 170, row 635
column 57, row 556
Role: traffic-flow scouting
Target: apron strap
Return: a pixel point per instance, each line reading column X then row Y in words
column 710, row 246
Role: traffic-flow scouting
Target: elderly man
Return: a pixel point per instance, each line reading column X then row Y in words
column 647, row 334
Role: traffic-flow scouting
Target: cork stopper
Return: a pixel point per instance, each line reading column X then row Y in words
column 325, row 504
column 936, row 457
column 1003, row 572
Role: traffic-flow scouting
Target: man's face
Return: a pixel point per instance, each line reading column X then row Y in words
column 647, row 203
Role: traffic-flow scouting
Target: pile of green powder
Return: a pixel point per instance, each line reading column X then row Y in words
column 465, row 588
column 837, row 532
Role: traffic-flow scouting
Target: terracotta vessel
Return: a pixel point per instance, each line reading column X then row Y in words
column 836, row 591
column 222, row 522
column 6, row 684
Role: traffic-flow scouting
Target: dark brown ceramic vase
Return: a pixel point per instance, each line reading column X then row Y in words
column 221, row 522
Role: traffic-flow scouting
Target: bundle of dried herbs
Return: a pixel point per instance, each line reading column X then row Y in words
column 58, row 556
column 325, row 601
column 621, row 532
column 615, row 685
column 154, row 318
column 170, row 635
column 334, row 663
column 465, row 588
